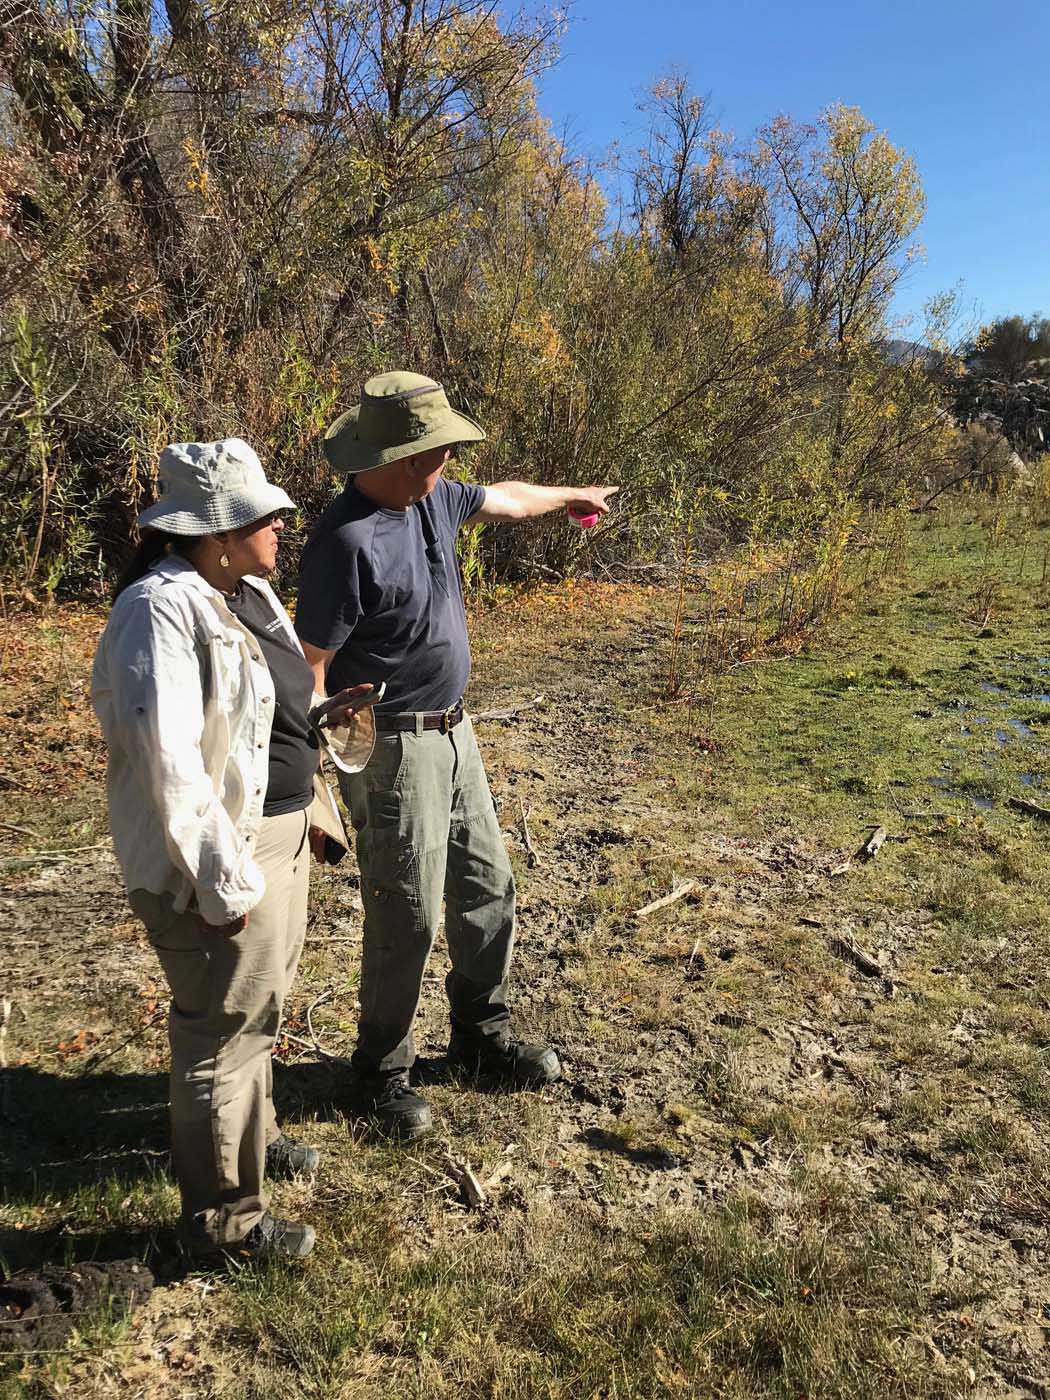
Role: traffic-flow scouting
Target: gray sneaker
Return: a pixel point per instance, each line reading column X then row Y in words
column 286, row 1157
column 269, row 1238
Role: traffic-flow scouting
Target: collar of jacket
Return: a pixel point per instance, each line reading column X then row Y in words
column 174, row 567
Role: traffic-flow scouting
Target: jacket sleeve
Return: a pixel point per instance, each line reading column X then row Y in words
column 158, row 717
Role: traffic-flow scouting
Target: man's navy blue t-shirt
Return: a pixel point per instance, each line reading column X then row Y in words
column 382, row 589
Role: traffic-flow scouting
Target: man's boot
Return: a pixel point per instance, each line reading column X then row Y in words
column 395, row 1110
column 503, row 1057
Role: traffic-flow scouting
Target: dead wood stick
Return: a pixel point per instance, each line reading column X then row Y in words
column 320, row 1000
column 297, row 1040
column 687, row 888
column 21, row 830
column 35, row 857
column 511, row 713
column 848, row 948
column 1031, row 809
column 871, row 847
column 6, row 1007
column 97, row 1059
column 462, row 1174
column 500, row 1173
column 533, row 856
column 73, row 850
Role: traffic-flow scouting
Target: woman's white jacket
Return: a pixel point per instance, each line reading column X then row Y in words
column 185, row 700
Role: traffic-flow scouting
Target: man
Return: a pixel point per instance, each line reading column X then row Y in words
column 380, row 600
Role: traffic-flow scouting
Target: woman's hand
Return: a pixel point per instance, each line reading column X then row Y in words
column 318, row 838
column 341, row 708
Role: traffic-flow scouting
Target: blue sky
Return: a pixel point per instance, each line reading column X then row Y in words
column 962, row 85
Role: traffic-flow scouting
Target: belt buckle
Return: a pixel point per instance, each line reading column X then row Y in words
column 446, row 718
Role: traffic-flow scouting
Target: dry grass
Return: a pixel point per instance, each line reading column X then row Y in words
column 764, row 1175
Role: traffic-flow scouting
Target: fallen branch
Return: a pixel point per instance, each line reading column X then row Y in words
column 687, row 888
column 526, row 835
column 847, row 948
column 461, row 1173
column 36, row 857
column 97, row 1059
column 6, row 1007
column 871, row 847
column 21, row 830
column 319, row 1000
column 296, row 1040
column 73, row 850
column 1031, row 809
column 512, row 713
column 499, row 1175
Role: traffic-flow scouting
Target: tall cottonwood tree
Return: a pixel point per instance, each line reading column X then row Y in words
column 220, row 218
column 241, row 193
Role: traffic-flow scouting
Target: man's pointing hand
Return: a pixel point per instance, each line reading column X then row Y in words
column 590, row 500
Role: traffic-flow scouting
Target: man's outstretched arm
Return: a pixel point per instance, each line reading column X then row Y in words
column 521, row 500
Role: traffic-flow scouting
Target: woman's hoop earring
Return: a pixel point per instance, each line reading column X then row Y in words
column 224, row 561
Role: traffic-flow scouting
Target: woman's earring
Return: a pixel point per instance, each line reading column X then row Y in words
column 224, row 561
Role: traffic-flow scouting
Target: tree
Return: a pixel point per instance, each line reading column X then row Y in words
column 211, row 214
column 1006, row 348
column 842, row 204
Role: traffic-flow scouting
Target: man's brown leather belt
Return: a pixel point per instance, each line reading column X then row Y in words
column 442, row 719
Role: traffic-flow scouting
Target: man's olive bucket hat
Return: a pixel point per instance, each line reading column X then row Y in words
column 208, row 486
column 399, row 415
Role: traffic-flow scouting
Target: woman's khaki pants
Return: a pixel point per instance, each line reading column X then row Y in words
column 227, row 994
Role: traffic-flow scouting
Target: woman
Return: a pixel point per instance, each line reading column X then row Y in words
column 203, row 695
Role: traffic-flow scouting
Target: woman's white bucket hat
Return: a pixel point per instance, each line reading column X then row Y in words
column 207, row 486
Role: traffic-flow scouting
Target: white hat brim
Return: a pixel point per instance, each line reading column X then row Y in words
column 204, row 514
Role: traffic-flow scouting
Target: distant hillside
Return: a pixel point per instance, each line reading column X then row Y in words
column 903, row 352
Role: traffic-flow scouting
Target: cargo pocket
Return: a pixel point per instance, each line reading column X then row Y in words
column 390, row 888
column 381, row 776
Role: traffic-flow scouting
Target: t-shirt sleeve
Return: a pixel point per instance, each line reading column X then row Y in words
column 329, row 605
column 463, row 501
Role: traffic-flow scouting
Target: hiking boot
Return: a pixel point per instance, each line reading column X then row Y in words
column 394, row 1109
column 269, row 1238
column 503, row 1057
column 286, row 1157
